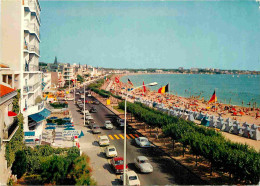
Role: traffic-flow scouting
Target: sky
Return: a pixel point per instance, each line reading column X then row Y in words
column 152, row 34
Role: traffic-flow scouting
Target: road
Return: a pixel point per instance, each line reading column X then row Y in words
column 164, row 168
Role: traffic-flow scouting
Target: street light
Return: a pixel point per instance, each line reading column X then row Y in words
column 149, row 84
column 84, row 105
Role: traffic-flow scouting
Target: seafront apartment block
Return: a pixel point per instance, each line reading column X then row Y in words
column 20, row 38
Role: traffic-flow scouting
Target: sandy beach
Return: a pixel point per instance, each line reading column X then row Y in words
column 239, row 113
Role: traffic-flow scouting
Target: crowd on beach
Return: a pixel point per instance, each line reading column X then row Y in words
column 238, row 113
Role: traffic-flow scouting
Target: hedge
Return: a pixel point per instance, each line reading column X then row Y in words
column 238, row 160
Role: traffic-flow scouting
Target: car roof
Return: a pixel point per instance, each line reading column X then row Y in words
column 142, row 138
column 131, row 173
column 118, row 158
column 95, row 125
column 103, row 137
column 142, row 158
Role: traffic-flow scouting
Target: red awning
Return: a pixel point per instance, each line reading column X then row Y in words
column 11, row 114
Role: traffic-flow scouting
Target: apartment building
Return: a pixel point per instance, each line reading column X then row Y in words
column 20, row 38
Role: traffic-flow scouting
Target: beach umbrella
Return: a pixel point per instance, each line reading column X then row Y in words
column 69, row 128
column 50, row 128
column 81, row 134
column 66, row 119
column 242, row 113
column 51, row 124
column 53, row 118
column 233, row 109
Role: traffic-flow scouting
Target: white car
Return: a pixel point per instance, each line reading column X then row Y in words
column 143, row 164
column 111, row 151
column 142, row 142
column 131, row 178
column 103, row 140
column 108, row 125
column 89, row 95
column 121, row 122
column 86, row 112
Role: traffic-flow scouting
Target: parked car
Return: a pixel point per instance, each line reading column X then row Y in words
column 108, row 125
column 121, row 122
column 131, row 178
column 142, row 142
column 93, row 110
column 103, row 140
column 143, row 164
column 81, row 105
column 96, row 102
column 118, row 165
column 89, row 95
column 95, row 129
column 85, row 111
column 111, row 151
column 82, row 96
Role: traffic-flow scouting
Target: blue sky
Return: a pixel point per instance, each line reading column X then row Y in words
column 153, row 34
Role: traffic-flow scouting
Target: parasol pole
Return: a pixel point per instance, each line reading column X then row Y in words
column 215, row 101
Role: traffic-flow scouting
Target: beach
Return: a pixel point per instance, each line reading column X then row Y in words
column 238, row 113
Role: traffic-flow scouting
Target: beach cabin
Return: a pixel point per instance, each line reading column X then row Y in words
column 213, row 122
column 236, row 128
column 246, row 132
column 205, row 121
column 185, row 116
column 229, row 127
column 201, row 116
column 256, row 134
column 220, row 124
column 190, row 117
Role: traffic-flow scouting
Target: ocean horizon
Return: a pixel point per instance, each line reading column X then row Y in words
column 230, row 89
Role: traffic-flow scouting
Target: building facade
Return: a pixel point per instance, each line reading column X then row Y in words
column 20, row 38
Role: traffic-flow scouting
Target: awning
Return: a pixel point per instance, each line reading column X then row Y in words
column 29, row 133
column 37, row 117
column 45, row 113
column 11, row 114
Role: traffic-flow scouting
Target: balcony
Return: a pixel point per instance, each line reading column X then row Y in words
column 11, row 130
column 32, row 109
column 34, row 49
column 31, row 88
column 32, row 28
column 32, row 6
column 31, row 68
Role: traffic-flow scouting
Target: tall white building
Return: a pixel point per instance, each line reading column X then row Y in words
column 20, row 38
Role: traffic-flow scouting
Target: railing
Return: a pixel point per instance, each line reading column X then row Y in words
column 31, row 88
column 31, row 67
column 32, row 27
column 33, row 7
column 8, row 132
column 32, row 109
column 33, row 48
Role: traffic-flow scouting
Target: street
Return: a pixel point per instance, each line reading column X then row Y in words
column 163, row 173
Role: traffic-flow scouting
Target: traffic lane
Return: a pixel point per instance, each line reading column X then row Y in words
column 161, row 174
column 93, row 151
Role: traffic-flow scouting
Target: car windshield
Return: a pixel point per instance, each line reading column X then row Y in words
column 143, row 161
column 143, row 140
column 119, row 162
column 112, row 149
column 95, row 127
column 104, row 140
column 132, row 177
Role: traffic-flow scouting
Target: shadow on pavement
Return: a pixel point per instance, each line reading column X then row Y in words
column 102, row 155
column 108, row 167
column 116, row 182
column 95, row 143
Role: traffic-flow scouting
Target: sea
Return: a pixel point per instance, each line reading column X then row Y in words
column 239, row 90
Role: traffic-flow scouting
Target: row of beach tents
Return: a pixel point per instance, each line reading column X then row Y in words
column 226, row 125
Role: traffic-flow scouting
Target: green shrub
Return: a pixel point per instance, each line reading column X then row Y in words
column 19, row 165
column 237, row 159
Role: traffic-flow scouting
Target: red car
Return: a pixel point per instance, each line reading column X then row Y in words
column 118, row 164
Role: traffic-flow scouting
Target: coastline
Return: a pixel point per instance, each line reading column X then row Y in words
column 249, row 115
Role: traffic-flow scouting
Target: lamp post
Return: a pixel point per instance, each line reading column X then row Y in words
column 75, row 90
column 149, row 84
column 84, row 105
